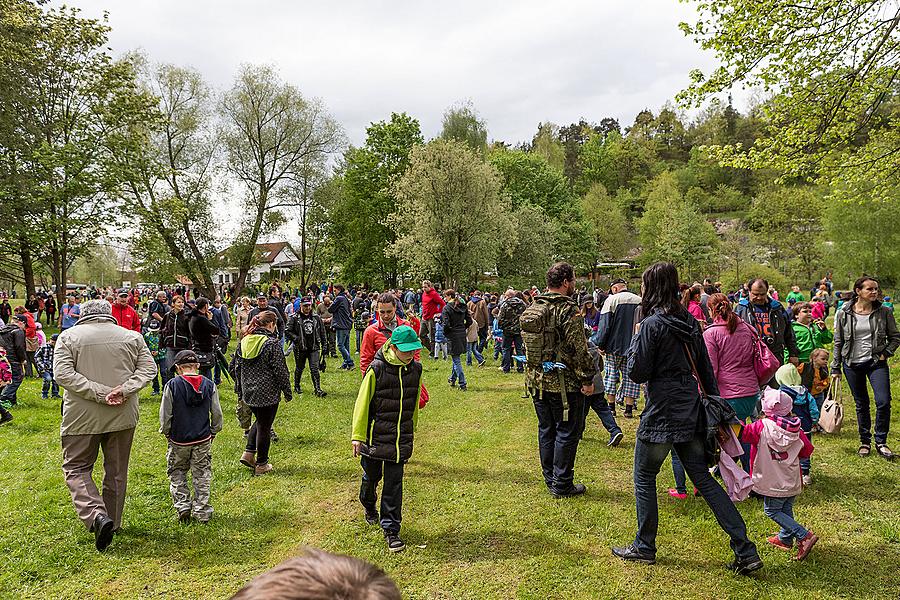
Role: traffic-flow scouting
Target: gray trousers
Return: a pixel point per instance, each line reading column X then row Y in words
column 79, row 455
column 427, row 335
column 197, row 459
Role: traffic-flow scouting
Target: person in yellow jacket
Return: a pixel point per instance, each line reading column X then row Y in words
column 384, row 420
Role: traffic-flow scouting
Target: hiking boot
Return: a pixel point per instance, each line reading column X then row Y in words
column 5, row 416
column 632, row 554
column 319, row 393
column 184, row 516
column 745, row 566
column 372, row 517
column 805, row 545
column 394, row 543
column 677, row 495
column 248, row 459
column 263, row 469
column 778, row 543
column 614, row 439
column 576, row 490
column 103, row 532
column 628, row 413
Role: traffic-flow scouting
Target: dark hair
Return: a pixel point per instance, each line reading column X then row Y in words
column 386, row 298
column 261, row 318
column 758, row 279
column 709, row 290
column 559, row 274
column 338, row 288
column 688, row 294
column 858, row 285
column 720, row 306
column 795, row 310
column 450, row 293
column 660, row 291
column 321, row 575
column 201, row 303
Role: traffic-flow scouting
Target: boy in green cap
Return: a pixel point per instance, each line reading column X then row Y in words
column 384, row 419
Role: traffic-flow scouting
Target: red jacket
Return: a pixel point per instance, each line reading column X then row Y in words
column 374, row 337
column 30, row 325
column 126, row 317
column 432, row 304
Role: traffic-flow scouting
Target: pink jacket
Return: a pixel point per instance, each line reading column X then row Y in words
column 695, row 309
column 776, row 447
column 731, row 355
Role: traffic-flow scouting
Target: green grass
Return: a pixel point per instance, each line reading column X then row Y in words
column 477, row 519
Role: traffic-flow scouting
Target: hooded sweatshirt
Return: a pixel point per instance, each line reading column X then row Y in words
column 776, row 446
column 190, row 413
column 259, row 370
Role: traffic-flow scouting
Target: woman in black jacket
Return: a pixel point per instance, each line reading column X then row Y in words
column 260, row 378
column 203, row 336
column 174, row 335
column 670, row 421
column 456, row 320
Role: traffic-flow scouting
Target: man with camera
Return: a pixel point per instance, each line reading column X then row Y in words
column 770, row 320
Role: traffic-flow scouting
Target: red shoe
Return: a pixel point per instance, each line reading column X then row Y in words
column 805, row 545
column 776, row 541
column 676, row 494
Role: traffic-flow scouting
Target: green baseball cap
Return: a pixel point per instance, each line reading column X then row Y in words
column 405, row 339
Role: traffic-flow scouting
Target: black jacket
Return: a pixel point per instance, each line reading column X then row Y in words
column 392, row 407
column 174, row 332
column 278, row 314
column 13, row 340
column 203, row 332
column 657, row 357
column 456, row 320
column 340, row 310
column 6, row 312
column 300, row 327
column 778, row 334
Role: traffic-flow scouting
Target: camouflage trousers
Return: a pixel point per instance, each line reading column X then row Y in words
column 198, row 460
column 244, row 415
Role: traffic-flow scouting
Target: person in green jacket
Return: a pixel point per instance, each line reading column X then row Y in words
column 810, row 334
column 795, row 296
column 384, row 421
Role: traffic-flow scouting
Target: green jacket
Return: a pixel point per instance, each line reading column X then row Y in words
column 809, row 338
column 796, row 297
column 571, row 350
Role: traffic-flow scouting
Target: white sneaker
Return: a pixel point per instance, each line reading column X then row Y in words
column 807, row 480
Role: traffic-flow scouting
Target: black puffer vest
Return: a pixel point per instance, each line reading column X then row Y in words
column 390, row 428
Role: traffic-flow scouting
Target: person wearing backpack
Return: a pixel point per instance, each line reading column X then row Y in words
column 553, row 332
column 508, row 319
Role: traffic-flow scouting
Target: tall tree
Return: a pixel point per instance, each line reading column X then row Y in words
column 546, row 144
column 446, row 185
column 866, row 238
column 611, row 235
column 359, row 227
column 462, row 123
column 274, row 138
column 528, row 179
column 788, row 222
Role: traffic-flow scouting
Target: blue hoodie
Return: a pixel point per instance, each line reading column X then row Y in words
column 805, row 406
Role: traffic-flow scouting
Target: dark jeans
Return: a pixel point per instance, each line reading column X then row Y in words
column 260, row 436
column 330, row 342
column 391, row 491
column 343, row 344
column 48, row 382
column 159, row 380
column 482, row 338
column 359, row 335
column 648, row 458
column 510, row 340
column 678, row 472
column 879, row 376
column 426, row 334
column 300, row 359
column 8, row 393
column 558, row 439
column 598, row 403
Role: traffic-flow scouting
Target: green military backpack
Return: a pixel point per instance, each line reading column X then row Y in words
column 539, row 326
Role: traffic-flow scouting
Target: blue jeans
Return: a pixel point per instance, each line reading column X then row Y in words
column 510, row 340
column 48, row 382
column 343, row 344
column 558, row 439
column 472, row 348
column 678, row 472
column 8, row 393
column 879, row 377
column 781, row 510
column 456, row 371
column 598, row 403
column 359, row 335
column 498, row 348
column 648, row 458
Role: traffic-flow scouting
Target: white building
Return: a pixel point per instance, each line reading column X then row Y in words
column 273, row 257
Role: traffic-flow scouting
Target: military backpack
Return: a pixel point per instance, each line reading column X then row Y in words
column 539, row 332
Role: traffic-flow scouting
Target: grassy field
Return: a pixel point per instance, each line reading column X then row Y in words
column 478, row 521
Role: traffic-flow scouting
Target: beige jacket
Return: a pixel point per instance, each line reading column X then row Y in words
column 90, row 359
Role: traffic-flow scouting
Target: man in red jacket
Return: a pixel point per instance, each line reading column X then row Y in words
column 125, row 316
column 432, row 305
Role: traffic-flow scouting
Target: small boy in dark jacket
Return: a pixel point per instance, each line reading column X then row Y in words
column 190, row 416
column 597, row 401
column 384, row 420
column 44, row 361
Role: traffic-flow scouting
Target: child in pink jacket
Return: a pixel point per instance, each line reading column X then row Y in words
column 777, row 443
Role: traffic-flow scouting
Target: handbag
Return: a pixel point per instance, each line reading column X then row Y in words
column 764, row 361
column 832, row 414
column 207, row 360
column 716, row 416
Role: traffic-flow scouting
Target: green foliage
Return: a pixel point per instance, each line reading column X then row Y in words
column 531, row 249
column 528, row 179
column 611, row 235
column 731, row 281
column 359, row 226
column 462, row 123
column 865, row 238
column 615, row 162
column 546, row 144
column 788, row 222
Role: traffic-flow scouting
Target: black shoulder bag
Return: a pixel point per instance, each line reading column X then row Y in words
column 715, row 416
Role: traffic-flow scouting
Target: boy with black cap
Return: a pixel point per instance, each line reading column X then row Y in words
column 384, row 420
column 190, row 416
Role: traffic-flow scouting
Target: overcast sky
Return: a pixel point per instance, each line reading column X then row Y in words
column 520, row 62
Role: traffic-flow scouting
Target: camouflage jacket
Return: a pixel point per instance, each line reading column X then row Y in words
column 571, row 349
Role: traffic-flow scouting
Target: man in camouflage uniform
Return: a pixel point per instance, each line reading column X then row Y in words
column 559, row 395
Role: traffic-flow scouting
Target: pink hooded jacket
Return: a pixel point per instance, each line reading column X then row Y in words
column 731, row 355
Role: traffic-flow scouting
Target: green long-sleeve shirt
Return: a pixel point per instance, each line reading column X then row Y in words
column 809, row 338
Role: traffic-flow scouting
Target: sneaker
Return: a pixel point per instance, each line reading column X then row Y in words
column 248, row 459
column 778, row 543
column 628, row 412
column 372, row 517
column 320, row 393
column 614, row 439
column 631, row 553
column 44, row 396
column 5, row 417
column 745, row 566
column 576, row 490
column 807, row 480
column 805, row 545
column 395, row 544
column 263, row 469
column 677, row 495
column 452, row 383
column 482, row 363
column 463, row 388
column 273, row 436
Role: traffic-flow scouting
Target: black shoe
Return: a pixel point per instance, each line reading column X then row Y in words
column 103, row 532
column 273, row 436
column 628, row 412
column 298, row 390
column 372, row 517
column 395, row 544
column 745, row 566
column 5, row 417
column 612, row 408
column 320, row 393
column 576, row 490
column 452, row 383
column 184, row 516
column 614, row 439
column 633, row 554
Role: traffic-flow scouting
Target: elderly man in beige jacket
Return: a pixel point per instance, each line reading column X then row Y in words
column 101, row 367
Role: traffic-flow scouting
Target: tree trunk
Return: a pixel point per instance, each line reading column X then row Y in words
column 27, row 266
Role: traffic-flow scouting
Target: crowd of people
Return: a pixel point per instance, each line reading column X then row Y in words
column 675, row 344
